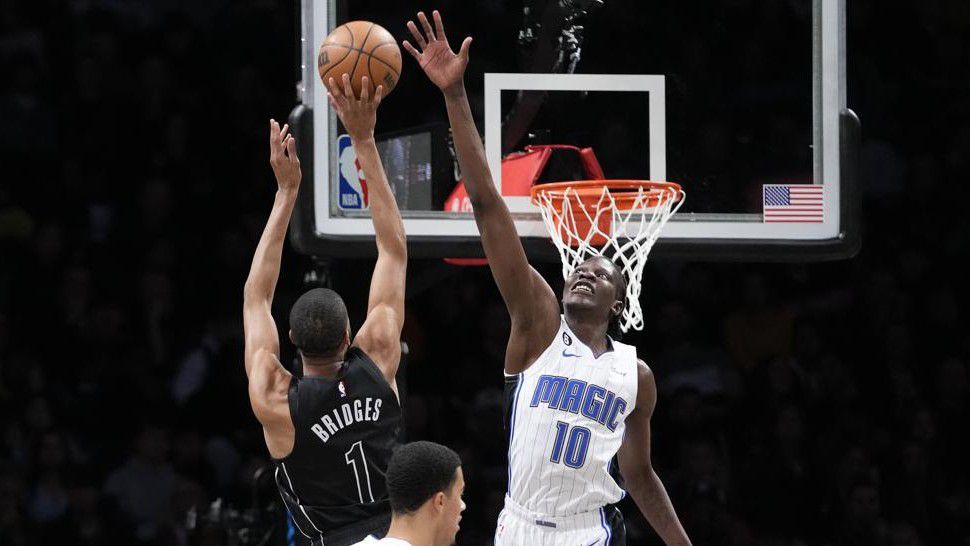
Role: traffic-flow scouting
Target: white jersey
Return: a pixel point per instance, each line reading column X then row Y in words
column 566, row 417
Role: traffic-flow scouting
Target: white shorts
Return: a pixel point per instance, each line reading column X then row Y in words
column 520, row 527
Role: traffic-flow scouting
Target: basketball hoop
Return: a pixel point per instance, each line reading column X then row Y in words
column 618, row 219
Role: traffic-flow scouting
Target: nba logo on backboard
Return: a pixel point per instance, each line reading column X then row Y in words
column 352, row 185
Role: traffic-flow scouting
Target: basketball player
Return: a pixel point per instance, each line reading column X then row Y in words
column 332, row 431
column 425, row 483
column 576, row 397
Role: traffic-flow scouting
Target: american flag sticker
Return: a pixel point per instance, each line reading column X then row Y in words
column 793, row 203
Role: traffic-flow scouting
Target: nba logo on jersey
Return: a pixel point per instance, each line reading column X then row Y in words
column 342, row 389
column 352, row 185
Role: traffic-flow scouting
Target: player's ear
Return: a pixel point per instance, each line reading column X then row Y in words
column 438, row 501
column 617, row 308
column 290, row 334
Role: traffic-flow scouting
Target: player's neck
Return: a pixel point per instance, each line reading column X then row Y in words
column 316, row 366
column 410, row 529
column 591, row 333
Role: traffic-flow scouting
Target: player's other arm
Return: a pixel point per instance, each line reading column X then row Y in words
column 268, row 380
column 532, row 304
column 640, row 479
column 380, row 335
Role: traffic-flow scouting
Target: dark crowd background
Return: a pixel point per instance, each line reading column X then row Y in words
column 799, row 404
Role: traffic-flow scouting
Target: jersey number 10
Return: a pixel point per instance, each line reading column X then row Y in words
column 576, row 442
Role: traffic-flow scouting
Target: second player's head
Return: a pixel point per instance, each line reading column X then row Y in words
column 425, row 484
column 596, row 290
column 319, row 326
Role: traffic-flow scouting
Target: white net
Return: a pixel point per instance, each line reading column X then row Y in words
column 583, row 225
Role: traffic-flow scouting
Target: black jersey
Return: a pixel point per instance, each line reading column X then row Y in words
column 345, row 430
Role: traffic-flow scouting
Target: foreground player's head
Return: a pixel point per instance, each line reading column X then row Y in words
column 319, row 326
column 596, row 290
column 425, row 484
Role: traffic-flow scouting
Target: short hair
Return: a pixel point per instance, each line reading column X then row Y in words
column 417, row 472
column 318, row 321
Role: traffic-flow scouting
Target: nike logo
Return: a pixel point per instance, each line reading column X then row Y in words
column 565, row 354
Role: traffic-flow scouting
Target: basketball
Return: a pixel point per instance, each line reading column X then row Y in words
column 360, row 48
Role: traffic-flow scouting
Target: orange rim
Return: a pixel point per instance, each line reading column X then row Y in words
column 624, row 192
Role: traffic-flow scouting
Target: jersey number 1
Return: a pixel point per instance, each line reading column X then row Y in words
column 577, row 445
column 355, row 458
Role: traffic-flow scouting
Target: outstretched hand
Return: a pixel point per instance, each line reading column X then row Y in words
column 282, row 156
column 443, row 67
column 359, row 115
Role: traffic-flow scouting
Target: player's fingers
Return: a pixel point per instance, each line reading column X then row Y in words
column 410, row 49
column 465, row 46
column 285, row 132
column 273, row 138
column 291, row 149
column 418, row 38
column 364, row 89
column 428, row 31
column 439, row 27
column 334, row 89
column 378, row 95
column 333, row 102
column 348, row 89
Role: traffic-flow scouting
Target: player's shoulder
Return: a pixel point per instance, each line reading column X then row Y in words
column 645, row 378
column 628, row 352
column 359, row 361
column 644, row 373
column 646, row 384
column 642, row 368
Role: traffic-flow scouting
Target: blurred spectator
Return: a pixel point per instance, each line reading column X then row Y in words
column 143, row 487
column 760, row 329
column 48, row 496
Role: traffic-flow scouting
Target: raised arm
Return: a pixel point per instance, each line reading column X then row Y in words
column 380, row 335
column 533, row 306
column 639, row 476
column 268, row 380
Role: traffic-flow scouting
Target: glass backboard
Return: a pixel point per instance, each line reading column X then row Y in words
column 742, row 102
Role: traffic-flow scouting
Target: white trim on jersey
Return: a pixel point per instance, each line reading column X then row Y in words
column 276, row 476
column 606, row 526
column 515, row 399
column 300, row 505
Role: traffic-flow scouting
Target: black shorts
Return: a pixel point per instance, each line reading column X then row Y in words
column 614, row 520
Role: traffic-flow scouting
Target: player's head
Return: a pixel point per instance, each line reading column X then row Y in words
column 596, row 290
column 425, row 484
column 319, row 325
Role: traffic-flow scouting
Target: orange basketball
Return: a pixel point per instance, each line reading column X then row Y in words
column 360, row 48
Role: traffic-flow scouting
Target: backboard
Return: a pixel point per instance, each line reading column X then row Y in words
column 741, row 102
